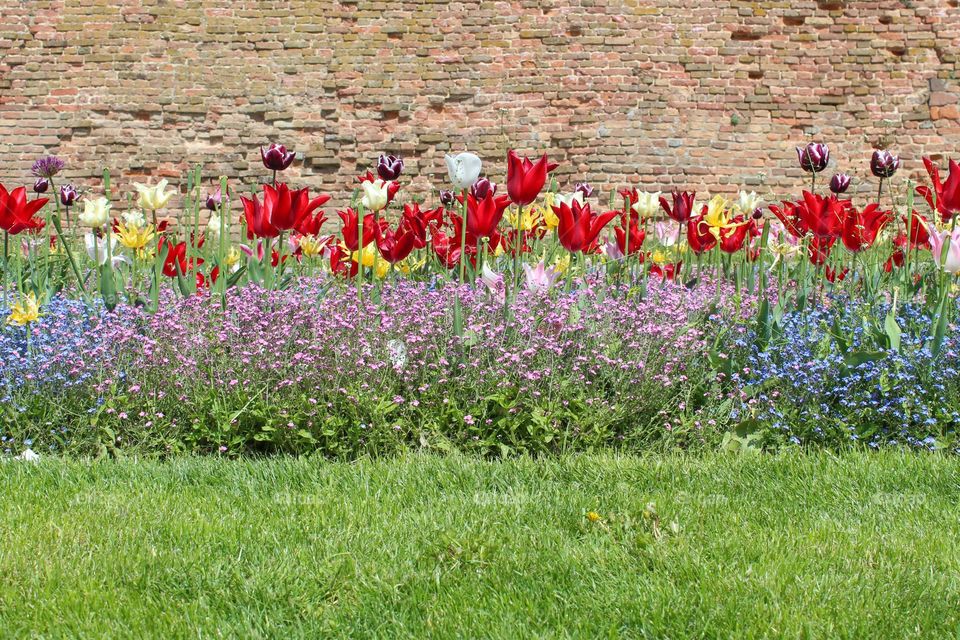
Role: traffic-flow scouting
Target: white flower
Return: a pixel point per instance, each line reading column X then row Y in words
column 748, row 201
column 134, row 218
column 153, row 197
column 97, row 249
column 95, row 212
column 28, row 455
column 567, row 199
column 464, row 169
column 666, row 232
column 540, row 278
column 493, row 281
column 375, row 195
column 213, row 225
column 398, row 354
column 647, row 204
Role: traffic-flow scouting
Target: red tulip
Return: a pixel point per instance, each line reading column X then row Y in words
column 732, row 239
column 341, row 262
column 396, row 245
column 789, row 215
column 919, row 230
column 282, row 210
column 176, row 260
column 860, row 228
column 945, row 197
column 819, row 249
column 823, row 216
column 833, row 275
column 447, row 248
column 579, row 227
column 17, row 213
column 525, row 179
column 682, row 208
column 667, row 271
column 483, row 215
column 349, row 231
column 895, row 260
column 419, row 221
column 698, row 235
column 632, row 241
column 310, row 224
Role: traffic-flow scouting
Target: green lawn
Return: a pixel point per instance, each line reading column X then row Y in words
column 796, row 546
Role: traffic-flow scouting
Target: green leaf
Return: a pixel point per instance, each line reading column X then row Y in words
column 893, row 331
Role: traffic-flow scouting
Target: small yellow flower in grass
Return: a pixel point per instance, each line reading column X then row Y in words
column 25, row 311
column 153, row 197
column 593, row 516
column 562, row 263
column 367, row 260
column 409, row 265
column 660, row 257
column 233, row 257
column 312, row 246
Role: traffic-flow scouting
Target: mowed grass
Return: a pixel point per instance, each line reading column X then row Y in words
column 794, row 546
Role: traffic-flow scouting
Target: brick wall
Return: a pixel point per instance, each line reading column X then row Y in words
column 688, row 93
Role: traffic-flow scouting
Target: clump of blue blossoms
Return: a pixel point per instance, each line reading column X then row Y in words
column 831, row 377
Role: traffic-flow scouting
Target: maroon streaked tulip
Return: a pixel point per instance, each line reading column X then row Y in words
column 446, row 197
column 482, row 187
column 41, row 185
column 814, row 157
column 68, row 195
column 682, row 205
column 884, row 164
column 840, row 183
column 214, row 199
column 584, row 188
column 276, row 157
column 389, row 167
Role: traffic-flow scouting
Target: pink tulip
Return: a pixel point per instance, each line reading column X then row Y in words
column 951, row 264
column 540, row 278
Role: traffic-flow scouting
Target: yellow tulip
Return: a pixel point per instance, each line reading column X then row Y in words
column 134, row 237
column 95, row 212
column 25, row 311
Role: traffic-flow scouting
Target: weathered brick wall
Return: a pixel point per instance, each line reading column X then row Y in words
column 692, row 93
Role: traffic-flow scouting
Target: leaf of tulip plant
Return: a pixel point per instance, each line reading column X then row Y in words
column 893, row 331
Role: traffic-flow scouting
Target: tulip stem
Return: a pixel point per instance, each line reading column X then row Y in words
column 6, row 266
column 879, row 191
column 463, row 239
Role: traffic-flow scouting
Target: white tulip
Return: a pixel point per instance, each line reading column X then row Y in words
column 647, row 204
column 375, row 195
column 464, row 169
column 95, row 212
column 568, row 199
column 748, row 201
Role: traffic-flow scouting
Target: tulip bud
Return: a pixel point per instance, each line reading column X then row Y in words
column 482, row 187
column 814, row 158
column 276, row 157
column 41, row 185
column 446, row 197
column 68, row 195
column 214, row 199
column 758, row 213
column 839, row 183
column 584, row 188
column 389, row 167
column 884, row 164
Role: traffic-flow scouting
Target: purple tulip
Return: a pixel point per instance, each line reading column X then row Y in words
column 389, row 167
column 214, row 199
column 47, row 167
column 41, row 185
column 276, row 157
column 446, row 197
column 839, row 183
column 814, row 158
column 884, row 164
column 482, row 187
column 758, row 213
column 584, row 188
column 68, row 195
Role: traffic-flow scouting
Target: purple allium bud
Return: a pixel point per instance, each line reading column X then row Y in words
column 214, row 199
column 389, row 167
column 814, row 157
column 584, row 188
column 839, row 183
column 47, row 167
column 446, row 197
column 68, row 195
column 276, row 157
column 482, row 187
column 884, row 164
column 41, row 185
